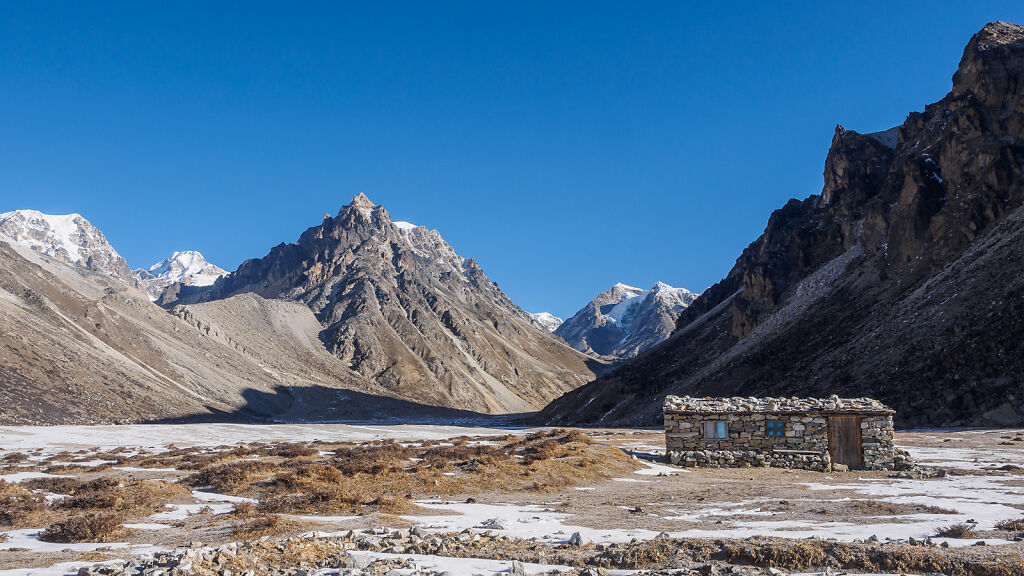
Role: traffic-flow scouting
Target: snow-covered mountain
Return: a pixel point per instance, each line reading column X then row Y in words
column 625, row 320
column 188, row 267
column 69, row 238
column 549, row 321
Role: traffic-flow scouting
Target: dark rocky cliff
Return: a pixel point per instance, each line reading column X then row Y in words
column 903, row 279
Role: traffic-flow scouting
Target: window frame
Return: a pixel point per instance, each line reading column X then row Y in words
column 716, row 430
column 775, row 429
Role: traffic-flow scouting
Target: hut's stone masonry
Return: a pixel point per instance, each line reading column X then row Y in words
column 815, row 434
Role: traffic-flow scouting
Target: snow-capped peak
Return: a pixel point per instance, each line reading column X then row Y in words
column 625, row 320
column 69, row 238
column 548, row 320
column 187, row 267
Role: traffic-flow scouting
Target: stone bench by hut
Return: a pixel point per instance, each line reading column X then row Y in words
column 810, row 433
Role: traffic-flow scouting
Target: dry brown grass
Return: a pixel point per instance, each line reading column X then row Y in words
column 14, row 458
column 1014, row 525
column 903, row 559
column 801, row 554
column 196, row 458
column 960, row 530
column 257, row 525
column 233, row 477
column 383, row 477
column 88, row 527
column 380, row 479
column 877, row 507
column 133, row 498
column 244, row 510
column 20, row 507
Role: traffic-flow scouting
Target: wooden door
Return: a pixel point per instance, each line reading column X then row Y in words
column 844, row 441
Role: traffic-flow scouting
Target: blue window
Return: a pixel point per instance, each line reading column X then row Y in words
column 775, row 428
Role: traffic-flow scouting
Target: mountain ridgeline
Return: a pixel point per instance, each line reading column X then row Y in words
column 361, row 319
column 903, row 280
column 400, row 307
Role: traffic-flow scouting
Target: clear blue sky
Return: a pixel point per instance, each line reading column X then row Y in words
column 567, row 146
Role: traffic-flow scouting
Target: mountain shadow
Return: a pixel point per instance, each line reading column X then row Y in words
column 321, row 404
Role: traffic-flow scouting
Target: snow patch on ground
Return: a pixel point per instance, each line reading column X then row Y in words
column 28, row 538
column 964, row 458
column 146, row 526
column 183, row 511
column 524, row 522
column 22, row 476
column 158, row 437
column 214, row 497
column 984, row 499
column 655, row 469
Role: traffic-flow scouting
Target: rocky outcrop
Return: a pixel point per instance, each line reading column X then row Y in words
column 400, row 307
column 624, row 321
column 903, row 280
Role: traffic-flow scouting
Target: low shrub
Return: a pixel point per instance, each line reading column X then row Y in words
column 14, row 457
column 959, row 530
column 134, row 498
column 88, row 527
column 256, row 526
column 232, row 477
column 1013, row 525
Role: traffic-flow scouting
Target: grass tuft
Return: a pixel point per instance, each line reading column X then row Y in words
column 959, row 530
column 1013, row 525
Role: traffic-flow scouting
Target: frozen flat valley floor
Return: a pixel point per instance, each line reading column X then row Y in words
column 479, row 498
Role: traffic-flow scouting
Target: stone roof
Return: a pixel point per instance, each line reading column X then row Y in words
column 773, row 405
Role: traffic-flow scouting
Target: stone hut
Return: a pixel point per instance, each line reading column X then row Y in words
column 811, row 433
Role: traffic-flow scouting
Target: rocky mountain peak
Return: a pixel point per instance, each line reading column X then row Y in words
column 625, row 320
column 991, row 64
column 361, row 201
column 69, row 238
column 547, row 320
column 363, row 216
column 399, row 306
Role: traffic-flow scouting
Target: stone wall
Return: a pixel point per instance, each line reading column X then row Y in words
column 876, row 435
column 803, row 444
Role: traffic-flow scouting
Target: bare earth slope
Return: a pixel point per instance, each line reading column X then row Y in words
column 397, row 305
column 81, row 347
column 903, row 280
